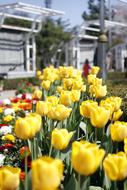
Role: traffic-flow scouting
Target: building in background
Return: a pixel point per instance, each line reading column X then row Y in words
column 17, row 42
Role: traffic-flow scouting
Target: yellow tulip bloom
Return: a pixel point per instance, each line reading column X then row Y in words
column 67, row 83
column 115, row 166
column 60, row 138
column 107, row 105
column 117, row 115
column 77, row 84
column 46, row 84
column 27, row 127
column 85, row 107
column 90, row 78
column 98, row 91
column 43, row 107
column 53, row 100
column 38, row 73
column 118, row 131
column 60, row 112
column 86, row 157
column 9, row 178
column 59, row 89
column 75, row 95
column 65, row 98
column 46, row 173
column 94, row 70
column 37, row 94
column 99, row 116
column 115, row 102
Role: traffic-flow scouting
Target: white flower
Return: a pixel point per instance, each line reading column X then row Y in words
column 6, row 102
column 2, row 157
column 29, row 96
column 19, row 96
column 9, row 111
column 5, row 130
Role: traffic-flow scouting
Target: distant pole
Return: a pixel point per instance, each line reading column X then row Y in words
column 48, row 4
column 110, row 19
column 102, row 40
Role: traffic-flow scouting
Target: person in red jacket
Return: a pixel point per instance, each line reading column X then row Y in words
column 86, row 68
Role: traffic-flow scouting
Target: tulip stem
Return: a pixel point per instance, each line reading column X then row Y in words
column 26, row 170
column 78, row 182
column 115, row 185
column 95, row 134
column 78, row 132
column 50, row 150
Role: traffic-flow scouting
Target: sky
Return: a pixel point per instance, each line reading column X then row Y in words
column 73, row 8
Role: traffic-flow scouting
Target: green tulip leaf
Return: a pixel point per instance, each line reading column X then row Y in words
column 71, row 184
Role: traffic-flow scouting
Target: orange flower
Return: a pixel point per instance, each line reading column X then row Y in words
column 22, row 176
column 24, row 150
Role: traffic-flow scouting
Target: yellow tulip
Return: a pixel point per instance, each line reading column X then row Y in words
column 117, row 115
column 107, row 105
column 59, row 89
column 115, row 102
column 60, row 112
column 65, row 72
column 9, row 178
column 94, row 70
column 46, row 84
column 46, row 173
column 125, row 145
column 67, row 83
column 83, row 89
column 99, row 116
column 85, row 107
column 41, row 77
column 90, row 78
column 75, row 95
column 115, row 166
column 37, row 94
column 98, row 91
column 86, row 157
column 52, row 113
column 65, row 98
column 35, row 121
column 118, row 131
column 51, row 74
column 60, row 138
column 38, row 73
column 8, row 137
column 42, row 107
column 53, row 100
column 77, row 84
column 27, row 127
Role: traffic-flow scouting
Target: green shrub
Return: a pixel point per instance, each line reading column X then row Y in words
column 10, row 84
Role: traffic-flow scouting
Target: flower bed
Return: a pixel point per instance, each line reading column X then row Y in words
column 66, row 135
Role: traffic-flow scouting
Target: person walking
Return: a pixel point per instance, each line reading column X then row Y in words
column 86, row 68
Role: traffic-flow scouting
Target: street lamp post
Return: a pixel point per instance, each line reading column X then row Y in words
column 102, row 40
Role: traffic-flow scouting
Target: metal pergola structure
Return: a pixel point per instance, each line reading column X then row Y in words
column 82, row 35
column 35, row 15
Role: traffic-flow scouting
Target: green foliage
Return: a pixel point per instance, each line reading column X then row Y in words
column 51, row 38
column 17, row 22
column 14, row 83
column 117, row 86
column 94, row 10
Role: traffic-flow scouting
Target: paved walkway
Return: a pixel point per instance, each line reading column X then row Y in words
column 7, row 94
